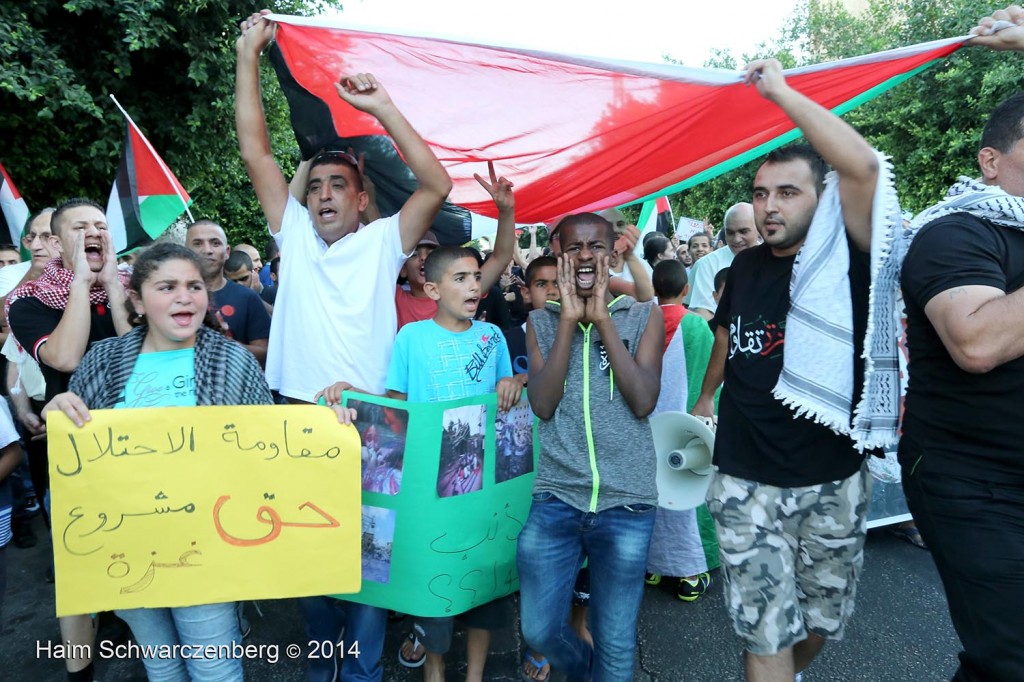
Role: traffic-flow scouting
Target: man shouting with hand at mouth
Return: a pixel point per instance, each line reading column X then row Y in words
column 79, row 300
column 595, row 375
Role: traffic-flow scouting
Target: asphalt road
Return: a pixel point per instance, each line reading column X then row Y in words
column 900, row 631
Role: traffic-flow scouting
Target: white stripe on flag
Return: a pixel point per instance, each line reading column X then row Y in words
column 115, row 220
column 15, row 210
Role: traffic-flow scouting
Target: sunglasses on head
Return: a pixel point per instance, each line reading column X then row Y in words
column 345, row 157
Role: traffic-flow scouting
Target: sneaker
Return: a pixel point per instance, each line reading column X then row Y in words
column 693, row 588
column 30, row 505
column 652, row 579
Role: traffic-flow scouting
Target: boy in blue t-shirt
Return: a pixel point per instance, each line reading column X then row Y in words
column 445, row 358
column 452, row 355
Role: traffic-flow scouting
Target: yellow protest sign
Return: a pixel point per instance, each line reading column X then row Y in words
column 178, row 506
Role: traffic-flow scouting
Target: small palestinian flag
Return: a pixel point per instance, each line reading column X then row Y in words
column 656, row 216
column 146, row 198
column 15, row 211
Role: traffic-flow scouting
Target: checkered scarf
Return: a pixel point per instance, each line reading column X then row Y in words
column 54, row 287
column 817, row 375
column 226, row 373
column 989, row 202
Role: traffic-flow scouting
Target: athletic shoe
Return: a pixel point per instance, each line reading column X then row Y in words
column 693, row 588
column 652, row 579
column 30, row 505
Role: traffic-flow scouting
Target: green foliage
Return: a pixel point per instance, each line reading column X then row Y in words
column 171, row 64
column 930, row 125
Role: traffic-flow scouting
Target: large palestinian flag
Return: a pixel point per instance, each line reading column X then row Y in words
column 13, row 209
column 146, row 198
column 573, row 133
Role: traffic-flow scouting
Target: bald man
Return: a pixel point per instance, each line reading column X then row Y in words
column 740, row 234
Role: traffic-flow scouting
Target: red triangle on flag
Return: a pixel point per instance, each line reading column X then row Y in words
column 151, row 174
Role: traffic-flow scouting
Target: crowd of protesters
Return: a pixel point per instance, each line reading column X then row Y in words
column 344, row 299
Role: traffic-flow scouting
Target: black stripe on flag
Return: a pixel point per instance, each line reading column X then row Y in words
column 394, row 182
column 128, row 196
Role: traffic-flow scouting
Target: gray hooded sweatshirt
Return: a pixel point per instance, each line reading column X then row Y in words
column 595, row 453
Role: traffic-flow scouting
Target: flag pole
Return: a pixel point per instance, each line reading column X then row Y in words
column 159, row 160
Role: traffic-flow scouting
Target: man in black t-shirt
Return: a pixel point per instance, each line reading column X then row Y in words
column 963, row 474
column 790, row 496
column 79, row 299
column 238, row 309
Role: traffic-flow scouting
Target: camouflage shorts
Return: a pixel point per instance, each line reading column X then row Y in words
column 790, row 556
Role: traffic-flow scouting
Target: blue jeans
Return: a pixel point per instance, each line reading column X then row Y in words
column 207, row 624
column 552, row 546
column 330, row 620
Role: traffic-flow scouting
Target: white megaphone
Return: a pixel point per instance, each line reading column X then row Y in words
column 684, row 445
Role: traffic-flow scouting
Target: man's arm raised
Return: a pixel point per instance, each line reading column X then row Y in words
column 839, row 144
column 366, row 94
column 250, row 123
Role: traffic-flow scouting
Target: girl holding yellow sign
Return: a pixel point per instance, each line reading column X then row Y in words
column 170, row 359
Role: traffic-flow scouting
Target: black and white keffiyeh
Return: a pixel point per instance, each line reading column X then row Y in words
column 225, row 372
column 968, row 195
column 817, row 373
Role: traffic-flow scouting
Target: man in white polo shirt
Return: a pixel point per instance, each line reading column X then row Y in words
column 335, row 314
column 740, row 233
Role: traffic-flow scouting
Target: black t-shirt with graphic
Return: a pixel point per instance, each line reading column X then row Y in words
column 962, row 424
column 758, row 437
column 32, row 322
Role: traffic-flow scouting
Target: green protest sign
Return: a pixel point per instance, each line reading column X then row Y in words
column 446, row 490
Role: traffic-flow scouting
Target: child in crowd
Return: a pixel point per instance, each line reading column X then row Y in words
column 542, row 286
column 677, row 548
column 595, row 363
column 720, row 277
column 168, row 303
column 432, row 361
column 414, row 304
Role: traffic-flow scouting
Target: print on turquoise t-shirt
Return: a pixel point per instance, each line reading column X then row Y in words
column 162, row 379
column 431, row 364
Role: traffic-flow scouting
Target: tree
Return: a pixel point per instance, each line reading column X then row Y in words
column 930, row 125
column 170, row 63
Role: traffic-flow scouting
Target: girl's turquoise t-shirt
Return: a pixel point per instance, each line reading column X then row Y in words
column 162, row 379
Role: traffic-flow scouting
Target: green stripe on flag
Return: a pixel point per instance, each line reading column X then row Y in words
column 159, row 212
column 762, row 149
column 649, row 208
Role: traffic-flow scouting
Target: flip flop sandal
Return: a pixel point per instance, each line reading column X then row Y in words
column 536, row 663
column 911, row 535
column 413, row 662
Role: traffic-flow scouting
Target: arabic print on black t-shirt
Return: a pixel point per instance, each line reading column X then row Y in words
column 758, row 437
